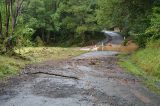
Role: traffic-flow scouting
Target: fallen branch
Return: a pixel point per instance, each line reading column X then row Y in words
column 47, row 73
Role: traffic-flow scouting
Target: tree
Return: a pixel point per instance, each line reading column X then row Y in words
column 128, row 15
column 0, row 25
column 10, row 10
column 16, row 7
column 153, row 32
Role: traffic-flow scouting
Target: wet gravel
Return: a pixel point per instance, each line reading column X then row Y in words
column 101, row 82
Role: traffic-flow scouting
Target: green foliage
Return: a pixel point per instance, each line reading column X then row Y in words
column 38, row 54
column 146, row 64
column 154, row 30
column 60, row 21
column 153, row 44
column 105, row 18
column 23, row 36
column 10, row 65
column 28, row 55
column 74, row 22
column 81, row 30
column 39, row 41
column 7, row 70
column 141, row 39
column 127, row 15
column 137, row 18
column 125, row 42
column 149, row 60
column 130, row 67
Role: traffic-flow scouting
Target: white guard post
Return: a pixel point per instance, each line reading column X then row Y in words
column 102, row 46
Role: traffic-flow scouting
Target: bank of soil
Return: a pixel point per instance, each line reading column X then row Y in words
column 92, row 79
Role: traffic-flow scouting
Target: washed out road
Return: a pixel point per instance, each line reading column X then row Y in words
column 92, row 79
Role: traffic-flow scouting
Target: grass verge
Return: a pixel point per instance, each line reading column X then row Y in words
column 12, row 65
column 145, row 64
column 39, row 54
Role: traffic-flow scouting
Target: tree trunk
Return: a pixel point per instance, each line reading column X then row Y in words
column 1, row 34
column 15, row 14
column 43, row 35
column 12, row 15
column 48, row 37
column 7, row 17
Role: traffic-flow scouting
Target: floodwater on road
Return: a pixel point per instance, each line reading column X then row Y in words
column 95, row 80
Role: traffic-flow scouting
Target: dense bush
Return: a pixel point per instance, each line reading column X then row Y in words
column 154, row 44
column 68, row 22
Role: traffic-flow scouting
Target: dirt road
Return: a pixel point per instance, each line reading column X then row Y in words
column 92, row 79
column 110, row 38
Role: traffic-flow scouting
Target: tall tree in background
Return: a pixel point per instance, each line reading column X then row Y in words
column 0, row 25
column 126, row 14
column 2, row 10
column 10, row 10
column 15, row 8
column 153, row 32
column 74, row 21
column 7, row 11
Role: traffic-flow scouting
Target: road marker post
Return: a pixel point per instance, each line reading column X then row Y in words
column 102, row 46
column 96, row 47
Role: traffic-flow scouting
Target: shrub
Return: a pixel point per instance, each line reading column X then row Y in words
column 39, row 41
column 7, row 70
column 153, row 44
column 141, row 39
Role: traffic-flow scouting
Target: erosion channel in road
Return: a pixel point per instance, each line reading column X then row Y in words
column 92, row 79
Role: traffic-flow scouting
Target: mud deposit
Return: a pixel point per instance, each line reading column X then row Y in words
column 92, row 79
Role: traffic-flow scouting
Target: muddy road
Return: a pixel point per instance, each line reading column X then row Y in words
column 111, row 37
column 92, row 79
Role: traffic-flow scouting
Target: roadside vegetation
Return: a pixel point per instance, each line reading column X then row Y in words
column 139, row 21
column 146, row 64
column 130, row 46
column 11, row 65
column 28, row 25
